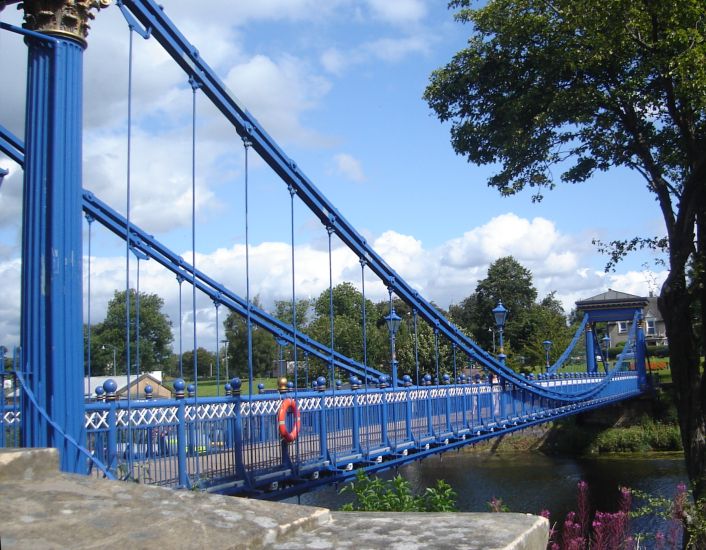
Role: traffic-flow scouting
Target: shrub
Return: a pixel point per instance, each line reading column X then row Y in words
column 648, row 436
column 373, row 494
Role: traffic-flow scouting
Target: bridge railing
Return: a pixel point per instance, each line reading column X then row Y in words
column 235, row 442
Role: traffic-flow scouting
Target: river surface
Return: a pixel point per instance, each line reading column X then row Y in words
column 531, row 482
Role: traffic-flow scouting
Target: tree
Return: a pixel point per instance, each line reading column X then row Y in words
column 585, row 85
column 348, row 324
column 263, row 346
column 528, row 323
column 155, row 336
column 506, row 280
column 205, row 361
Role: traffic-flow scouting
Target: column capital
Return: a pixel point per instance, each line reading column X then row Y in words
column 64, row 18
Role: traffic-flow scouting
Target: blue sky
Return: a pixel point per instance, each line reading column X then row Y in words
column 339, row 85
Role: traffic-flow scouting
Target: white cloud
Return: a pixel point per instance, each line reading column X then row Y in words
column 278, row 92
column 424, row 269
column 386, row 49
column 531, row 242
column 349, row 167
column 398, row 12
column 395, row 49
column 334, row 61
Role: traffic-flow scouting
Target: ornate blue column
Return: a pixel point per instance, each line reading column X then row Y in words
column 52, row 317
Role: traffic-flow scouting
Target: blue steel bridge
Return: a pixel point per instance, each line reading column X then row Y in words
column 245, row 442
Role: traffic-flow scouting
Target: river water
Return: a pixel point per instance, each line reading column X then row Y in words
column 531, row 482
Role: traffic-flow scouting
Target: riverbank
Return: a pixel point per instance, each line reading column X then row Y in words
column 573, row 438
column 644, row 425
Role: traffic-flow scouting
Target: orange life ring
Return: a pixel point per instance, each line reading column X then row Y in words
column 288, row 404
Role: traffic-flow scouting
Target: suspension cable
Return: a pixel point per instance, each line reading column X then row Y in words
column 416, row 345
column 436, row 353
column 137, row 321
column 293, row 192
column 217, row 305
column 89, row 219
column 248, row 328
column 392, row 336
column 363, row 263
column 194, row 87
column 180, row 280
column 127, row 248
column 330, row 230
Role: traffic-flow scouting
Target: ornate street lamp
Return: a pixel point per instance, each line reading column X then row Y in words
column 547, row 346
column 500, row 313
column 606, row 343
column 393, row 324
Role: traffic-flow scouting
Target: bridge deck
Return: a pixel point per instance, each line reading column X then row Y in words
column 234, row 444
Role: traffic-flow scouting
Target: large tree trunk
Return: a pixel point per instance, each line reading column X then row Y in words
column 675, row 304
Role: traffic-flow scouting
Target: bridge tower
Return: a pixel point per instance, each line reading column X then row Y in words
column 614, row 306
column 52, row 318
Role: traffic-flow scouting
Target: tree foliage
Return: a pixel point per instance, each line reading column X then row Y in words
column 528, row 323
column 373, row 494
column 577, row 86
column 264, row 348
column 205, row 362
column 155, row 335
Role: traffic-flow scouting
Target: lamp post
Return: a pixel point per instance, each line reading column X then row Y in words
column 606, row 342
column 226, row 342
column 393, row 324
column 547, row 346
column 500, row 313
column 106, row 346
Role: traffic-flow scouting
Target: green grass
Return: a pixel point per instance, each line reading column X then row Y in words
column 208, row 388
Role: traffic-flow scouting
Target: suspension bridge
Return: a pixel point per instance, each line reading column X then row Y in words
column 269, row 444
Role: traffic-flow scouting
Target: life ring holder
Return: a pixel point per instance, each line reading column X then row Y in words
column 287, row 405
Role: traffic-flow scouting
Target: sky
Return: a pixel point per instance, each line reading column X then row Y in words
column 338, row 84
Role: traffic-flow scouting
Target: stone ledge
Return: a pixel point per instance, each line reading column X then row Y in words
column 420, row 530
column 42, row 508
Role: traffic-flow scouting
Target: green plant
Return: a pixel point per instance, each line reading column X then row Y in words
column 373, row 494
column 497, row 505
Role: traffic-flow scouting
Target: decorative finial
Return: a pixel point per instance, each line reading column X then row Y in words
column 67, row 18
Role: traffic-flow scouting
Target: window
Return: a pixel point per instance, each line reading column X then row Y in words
column 623, row 326
column 650, row 327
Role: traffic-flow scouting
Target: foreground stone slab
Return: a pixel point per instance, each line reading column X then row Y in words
column 390, row 531
column 42, row 508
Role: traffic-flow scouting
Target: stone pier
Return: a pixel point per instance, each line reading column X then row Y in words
column 43, row 508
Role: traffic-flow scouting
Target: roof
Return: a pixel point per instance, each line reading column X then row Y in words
column 90, row 384
column 613, row 298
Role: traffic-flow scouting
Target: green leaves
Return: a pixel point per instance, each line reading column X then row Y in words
column 373, row 494
column 154, row 330
column 578, row 85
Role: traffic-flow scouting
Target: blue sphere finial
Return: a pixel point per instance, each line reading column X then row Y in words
column 100, row 391
column 110, row 386
column 179, row 385
column 149, row 389
column 236, row 383
column 321, row 381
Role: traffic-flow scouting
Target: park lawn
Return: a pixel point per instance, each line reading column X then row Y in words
column 208, row 388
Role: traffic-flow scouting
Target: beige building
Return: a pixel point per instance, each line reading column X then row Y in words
column 137, row 386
